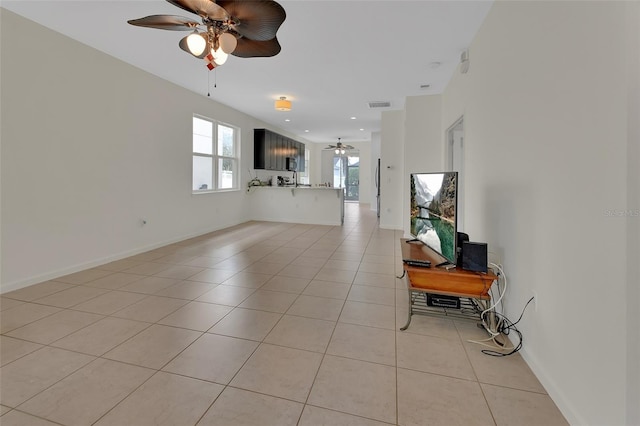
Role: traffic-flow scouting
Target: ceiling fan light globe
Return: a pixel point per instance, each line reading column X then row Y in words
column 196, row 44
column 228, row 43
column 337, row 151
column 219, row 56
column 342, row 151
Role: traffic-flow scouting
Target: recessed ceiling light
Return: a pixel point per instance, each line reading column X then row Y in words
column 362, row 130
column 306, row 131
column 434, row 65
column 353, row 118
column 287, row 120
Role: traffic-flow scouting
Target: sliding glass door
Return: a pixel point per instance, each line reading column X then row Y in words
column 346, row 174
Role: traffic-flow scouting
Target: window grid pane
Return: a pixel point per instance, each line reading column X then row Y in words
column 202, row 127
column 226, row 143
column 202, row 144
column 226, row 173
column 202, row 173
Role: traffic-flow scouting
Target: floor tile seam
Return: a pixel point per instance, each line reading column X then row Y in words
column 371, row 303
column 349, row 414
column 27, row 301
column 261, row 288
column 75, row 304
column 105, row 357
column 394, row 365
column 426, row 334
column 38, row 319
column 53, row 384
column 29, row 353
column 530, row 391
column 395, row 337
column 324, row 355
column 387, row 275
column 126, row 396
column 180, row 278
column 33, row 415
column 210, row 405
column 443, row 375
column 52, row 344
column 468, row 357
column 141, row 277
column 486, row 401
column 371, row 326
column 7, row 295
column 74, row 331
column 375, row 286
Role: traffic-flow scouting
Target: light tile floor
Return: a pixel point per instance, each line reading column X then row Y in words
column 261, row 323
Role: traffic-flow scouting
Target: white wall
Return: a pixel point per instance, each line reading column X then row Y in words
column 391, row 169
column 375, row 154
column 545, row 115
column 423, row 144
column 633, row 222
column 90, row 146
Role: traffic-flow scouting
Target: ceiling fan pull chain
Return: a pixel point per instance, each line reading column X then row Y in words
column 208, row 85
column 215, row 78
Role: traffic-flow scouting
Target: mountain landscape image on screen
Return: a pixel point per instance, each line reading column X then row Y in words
column 433, row 209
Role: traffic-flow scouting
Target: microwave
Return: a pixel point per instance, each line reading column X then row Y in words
column 291, row 164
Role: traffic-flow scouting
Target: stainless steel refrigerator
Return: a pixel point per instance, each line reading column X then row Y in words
column 378, row 188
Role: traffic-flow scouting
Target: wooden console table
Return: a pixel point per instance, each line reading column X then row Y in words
column 473, row 287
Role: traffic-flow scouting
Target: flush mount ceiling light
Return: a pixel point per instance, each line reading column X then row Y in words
column 245, row 29
column 283, row 104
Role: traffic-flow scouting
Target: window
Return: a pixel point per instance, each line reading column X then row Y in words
column 215, row 155
column 304, row 176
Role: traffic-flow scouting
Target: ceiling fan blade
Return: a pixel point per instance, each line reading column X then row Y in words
column 183, row 45
column 253, row 48
column 165, row 22
column 258, row 19
column 203, row 8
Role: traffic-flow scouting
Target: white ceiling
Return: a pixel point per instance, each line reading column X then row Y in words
column 336, row 56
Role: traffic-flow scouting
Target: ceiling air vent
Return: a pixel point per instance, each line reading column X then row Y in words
column 379, row 104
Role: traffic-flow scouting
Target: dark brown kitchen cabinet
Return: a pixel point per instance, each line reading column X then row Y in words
column 271, row 150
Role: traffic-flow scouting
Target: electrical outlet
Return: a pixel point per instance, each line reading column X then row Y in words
column 535, row 300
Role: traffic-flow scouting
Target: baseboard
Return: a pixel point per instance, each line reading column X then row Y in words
column 16, row 285
column 558, row 397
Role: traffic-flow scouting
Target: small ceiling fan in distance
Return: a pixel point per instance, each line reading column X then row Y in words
column 339, row 147
column 246, row 29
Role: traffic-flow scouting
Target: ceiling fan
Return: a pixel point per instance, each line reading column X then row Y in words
column 246, row 29
column 339, row 147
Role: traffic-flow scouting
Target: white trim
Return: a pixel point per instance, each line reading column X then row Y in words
column 16, row 285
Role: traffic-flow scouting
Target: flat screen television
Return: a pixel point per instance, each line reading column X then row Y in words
column 434, row 200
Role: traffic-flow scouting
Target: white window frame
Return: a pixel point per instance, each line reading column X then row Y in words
column 304, row 176
column 216, row 158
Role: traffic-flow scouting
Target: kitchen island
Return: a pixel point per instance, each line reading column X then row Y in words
column 318, row 205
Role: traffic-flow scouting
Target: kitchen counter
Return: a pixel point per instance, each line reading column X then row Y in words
column 318, row 205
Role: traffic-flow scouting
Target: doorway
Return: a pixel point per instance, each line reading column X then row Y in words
column 455, row 162
column 346, row 174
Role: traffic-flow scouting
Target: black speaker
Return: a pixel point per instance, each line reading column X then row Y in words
column 462, row 237
column 474, row 256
